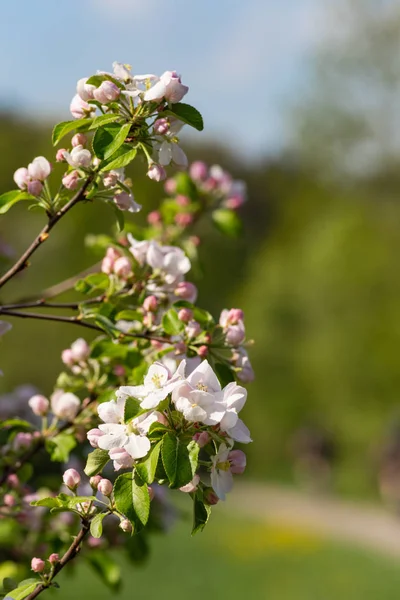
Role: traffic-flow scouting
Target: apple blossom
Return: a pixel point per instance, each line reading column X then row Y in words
column 60, row 155
column 169, row 151
column 106, row 92
column 111, row 178
column 158, row 383
column 71, row 180
column 126, row 201
column 186, row 291
column 65, row 405
column 39, row 168
column 185, row 315
column 93, row 436
column 121, row 459
column 122, row 267
column 85, row 90
column 221, row 475
column 35, row 187
column 237, row 460
column 198, row 171
column 21, row 178
column 78, row 157
column 79, row 139
column 80, row 109
column 37, row 565
column 39, row 405
column 193, row 329
column 105, row 487
column 71, row 478
column 54, row 558
column 169, row 87
column 80, row 350
column 191, row 487
column 150, row 304
column 156, row 172
column 161, row 126
column 196, row 396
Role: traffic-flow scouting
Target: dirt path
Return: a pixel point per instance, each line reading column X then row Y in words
column 365, row 525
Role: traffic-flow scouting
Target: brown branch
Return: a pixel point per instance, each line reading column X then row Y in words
column 78, row 321
column 70, row 554
column 22, row 262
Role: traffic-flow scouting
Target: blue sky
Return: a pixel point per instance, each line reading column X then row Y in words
column 245, row 61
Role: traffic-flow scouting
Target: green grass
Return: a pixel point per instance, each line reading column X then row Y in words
column 236, row 559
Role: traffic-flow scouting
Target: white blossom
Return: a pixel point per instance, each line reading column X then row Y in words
column 196, row 397
column 78, row 157
column 156, row 387
column 221, row 475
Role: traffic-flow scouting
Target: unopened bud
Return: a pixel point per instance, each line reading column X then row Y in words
column 202, row 438
column 54, row 558
column 106, row 92
column 94, row 481
column 105, row 487
column 9, row 500
column 13, row 481
column 125, row 525
column 39, row 405
column 185, row 315
column 202, row 351
column 156, row 172
column 186, row 290
column 122, row 267
column 71, row 478
column 238, row 461
column 37, row 565
column 35, row 187
column 93, row 437
column 198, row 171
column 150, row 304
column 154, row 217
column 60, row 155
column 71, row 180
column 79, row 139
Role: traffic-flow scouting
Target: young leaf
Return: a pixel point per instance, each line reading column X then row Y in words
column 186, row 113
column 109, row 138
column 60, row 446
column 132, row 499
column 47, row 502
column 201, row 514
column 227, row 222
column 65, row 127
column 176, row 461
column 93, row 282
column 147, row 469
column 8, row 199
column 96, row 462
column 171, row 323
column 103, row 120
column 96, row 525
column 22, row 591
column 132, row 409
column 121, row 161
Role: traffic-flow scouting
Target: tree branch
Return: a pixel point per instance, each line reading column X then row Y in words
column 70, row 554
column 22, row 262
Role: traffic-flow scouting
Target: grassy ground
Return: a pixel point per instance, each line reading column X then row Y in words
column 234, row 559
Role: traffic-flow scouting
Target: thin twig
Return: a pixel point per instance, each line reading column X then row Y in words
column 22, row 262
column 70, row 554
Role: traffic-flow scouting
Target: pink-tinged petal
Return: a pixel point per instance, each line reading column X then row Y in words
column 229, row 420
column 222, row 482
column 178, row 156
column 235, row 396
column 165, row 154
column 109, row 412
column 240, row 433
column 205, row 375
column 131, row 391
column 156, row 93
column 137, row 446
column 153, row 399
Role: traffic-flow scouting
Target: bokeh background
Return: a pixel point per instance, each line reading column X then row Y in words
column 301, row 99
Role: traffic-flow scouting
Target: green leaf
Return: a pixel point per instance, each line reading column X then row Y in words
column 132, row 499
column 72, row 501
column 185, row 185
column 122, row 160
column 176, row 460
column 147, row 469
column 109, row 138
column 47, row 502
column 93, row 282
column 96, row 462
column 171, row 323
column 106, row 567
column 18, row 424
column 96, row 525
column 201, row 514
column 129, row 315
column 61, row 129
column 97, row 80
column 227, row 222
column 224, row 373
column 8, row 199
column 186, row 113
column 103, row 120
column 22, row 591
column 132, row 409
column 60, row 446
column 107, row 325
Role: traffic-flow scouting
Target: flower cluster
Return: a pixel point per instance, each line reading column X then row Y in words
column 32, row 178
column 194, row 404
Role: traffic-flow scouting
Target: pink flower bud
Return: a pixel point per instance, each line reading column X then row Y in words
column 107, row 265
column 193, row 329
column 182, row 200
column 237, row 460
column 78, row 157
column 54, row 558
column 22, row 440
column 37, row 565
column 210, row 497
column 35, row 187
column 60, row 155
column 9, row 500
column 202, row 351
column 154, row 217
column 235, row 315
column 110, row 178
column 126, row 525
column 80, row 350
column 67, row 357
column 79, row 139
column 122, row 267
column 235, row 334
column 170, row 186
column 106, row 92
column 119, row 370
column 234, row 203
column 84, row 89
column 79, row 108
column 150, row 304
column 183, row 219
column 105, row 487
column 71, row 180
column 156, row 172
column 13, row 481
column 39, row 168
column 191, row 487
column 161, row 126
column 122, row 460
column 65, row 406
column 185, row 315
column 198, row 171
column 39, row 405
column 186, row 290
column 21, row 178
column 202, row 438
column 93, row 437
column 71, row 478
column 126, row 201
column 94, row 481
column 156, row 344
column 112, row 253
